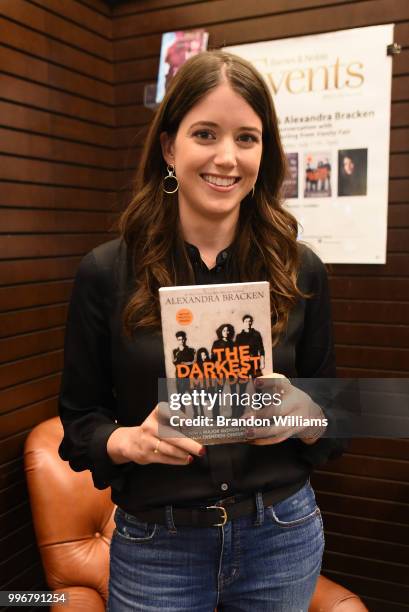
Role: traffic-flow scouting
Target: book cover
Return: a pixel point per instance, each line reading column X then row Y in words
column 176, row 49
column 217, row 340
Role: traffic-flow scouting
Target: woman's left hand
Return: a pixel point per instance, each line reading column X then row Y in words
column 294, row 402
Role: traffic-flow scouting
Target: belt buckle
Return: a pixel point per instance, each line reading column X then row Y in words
column 224, row 515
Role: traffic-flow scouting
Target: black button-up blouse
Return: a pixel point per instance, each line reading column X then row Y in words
column 111, row 381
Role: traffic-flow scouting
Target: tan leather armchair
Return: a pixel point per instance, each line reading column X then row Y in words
column 73, row 522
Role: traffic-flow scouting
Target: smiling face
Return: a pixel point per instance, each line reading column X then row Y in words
column 216, row 153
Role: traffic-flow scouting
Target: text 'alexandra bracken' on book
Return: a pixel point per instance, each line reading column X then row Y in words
column 217, row 340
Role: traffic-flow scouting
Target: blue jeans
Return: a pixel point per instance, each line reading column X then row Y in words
column 266, row 562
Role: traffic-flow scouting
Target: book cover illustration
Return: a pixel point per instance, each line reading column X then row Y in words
column 176, row 49
column 217, row 340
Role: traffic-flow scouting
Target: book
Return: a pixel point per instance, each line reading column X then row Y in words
column 217, row 340
column 176, row 49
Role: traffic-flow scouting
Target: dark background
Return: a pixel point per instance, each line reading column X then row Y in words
column 72, row 122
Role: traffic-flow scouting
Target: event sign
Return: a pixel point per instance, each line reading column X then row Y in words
column 332, row 94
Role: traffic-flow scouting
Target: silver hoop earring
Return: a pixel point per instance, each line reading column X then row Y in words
column 252, row 191
column 170, row 177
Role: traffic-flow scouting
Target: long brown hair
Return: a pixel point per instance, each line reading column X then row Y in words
column 265, row 243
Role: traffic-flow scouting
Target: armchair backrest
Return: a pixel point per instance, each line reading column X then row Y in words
column 73, row 521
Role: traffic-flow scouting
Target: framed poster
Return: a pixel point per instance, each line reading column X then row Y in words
column 332, row 94
column 176, row 49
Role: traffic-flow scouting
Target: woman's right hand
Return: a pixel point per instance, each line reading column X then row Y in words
column 138, row 444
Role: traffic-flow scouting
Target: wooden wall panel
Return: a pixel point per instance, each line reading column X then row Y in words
column 19, row 91
column 54, row 76
column 57, row 201
column 60, row 53
column 44, row 21
column 25, row 296
column 82, row 15
column 14, row 168
column 271, row 25
column 55, row 197
column 24, row 345
column 98, row 6
column 216, row 13
column 28, row 270
column 31, row 367
column 42, row 147
column 20, row 514
column 28, row 416
column 133, row 8
column 12, row 220
column 27, row 119
column 20, row 245
column 364, row 496
column 367, row 311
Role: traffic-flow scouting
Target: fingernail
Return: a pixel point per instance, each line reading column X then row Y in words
column 190, row 459
column 202, row 451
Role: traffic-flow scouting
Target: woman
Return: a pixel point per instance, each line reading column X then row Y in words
column 236, row 525
column 202, row 356
column 225, row 340
column 352, row 172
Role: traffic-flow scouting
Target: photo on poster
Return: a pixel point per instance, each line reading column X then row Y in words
column 352, row 172
column 176, row 49
column 290, row 184
column 317, row 175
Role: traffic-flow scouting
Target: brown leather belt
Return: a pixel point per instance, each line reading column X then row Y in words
column 215, row 515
